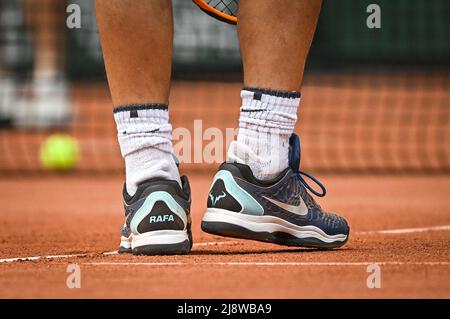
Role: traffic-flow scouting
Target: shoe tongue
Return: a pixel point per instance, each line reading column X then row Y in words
column 176, row 160
column 294, row 152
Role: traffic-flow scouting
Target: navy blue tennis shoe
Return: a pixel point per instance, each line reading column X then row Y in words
column 157, row 218
column 280, row 211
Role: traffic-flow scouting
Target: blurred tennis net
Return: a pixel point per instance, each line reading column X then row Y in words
column 373, row 101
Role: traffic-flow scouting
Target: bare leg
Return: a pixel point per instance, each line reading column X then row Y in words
column 137, row 38
column 137, row 46
column 275, row 38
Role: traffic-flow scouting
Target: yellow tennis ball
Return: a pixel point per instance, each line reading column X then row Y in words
column 59, row 152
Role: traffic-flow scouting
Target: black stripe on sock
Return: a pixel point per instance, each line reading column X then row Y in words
column 137, row 107
column 259, row 91
column 134, row 114
column 253, row 110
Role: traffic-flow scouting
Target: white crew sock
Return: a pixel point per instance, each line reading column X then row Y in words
column 145, row 138
column 266, row 122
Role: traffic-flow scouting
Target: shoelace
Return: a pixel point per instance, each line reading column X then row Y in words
column 328, row 218
column 315, row 180
column 309, row 200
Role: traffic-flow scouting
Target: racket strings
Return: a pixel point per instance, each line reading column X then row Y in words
column 229, row 7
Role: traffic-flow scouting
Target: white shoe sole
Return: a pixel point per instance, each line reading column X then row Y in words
column 158, row 242
column 267, row 228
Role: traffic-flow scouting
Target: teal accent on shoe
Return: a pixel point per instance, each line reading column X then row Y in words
column 215, row 199
column 249, row 205
column 147, row 206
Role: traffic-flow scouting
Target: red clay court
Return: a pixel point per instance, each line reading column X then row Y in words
column 374, row 119
column 396, row 202
column 401, row 223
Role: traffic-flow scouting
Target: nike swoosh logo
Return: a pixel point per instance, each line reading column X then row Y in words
column 301, row 209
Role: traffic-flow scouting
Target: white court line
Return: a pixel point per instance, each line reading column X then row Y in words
column 33, row 258
column 156, row 264
column 384, row 232
column 405, row 230
column 216, row 243
column 426, row 263
column 211, row 243
column 109, row 253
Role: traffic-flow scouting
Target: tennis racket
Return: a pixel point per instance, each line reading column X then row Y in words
column 223, row 10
